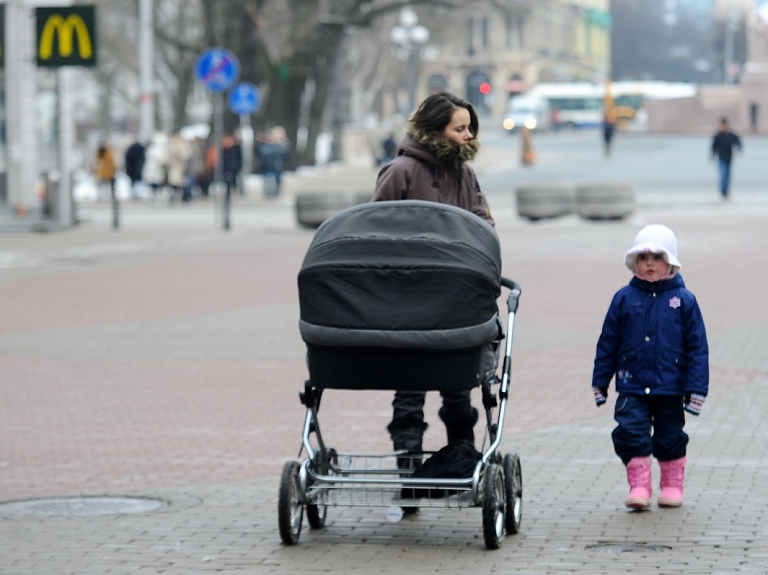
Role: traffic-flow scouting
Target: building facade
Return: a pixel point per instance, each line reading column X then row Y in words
column 490, row 51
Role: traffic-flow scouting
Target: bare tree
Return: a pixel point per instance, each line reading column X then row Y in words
column 180, row 32
column 289, row 48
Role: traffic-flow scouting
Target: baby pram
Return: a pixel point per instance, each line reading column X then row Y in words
column 402, row 296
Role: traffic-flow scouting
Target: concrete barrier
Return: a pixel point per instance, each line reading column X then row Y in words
column 541, row 200
column 313, row 208
column 605, row 200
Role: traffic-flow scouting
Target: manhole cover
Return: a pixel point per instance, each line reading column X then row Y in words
column 78, row 507
column 628, row 548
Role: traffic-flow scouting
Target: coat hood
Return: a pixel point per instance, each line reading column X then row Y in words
column 441, row 151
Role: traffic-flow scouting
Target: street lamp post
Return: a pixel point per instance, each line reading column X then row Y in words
column 146, row 75
column 409, row 36
column 730, row 68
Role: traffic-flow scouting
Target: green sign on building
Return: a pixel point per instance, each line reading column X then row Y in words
column 66, row 36
column 599, row 19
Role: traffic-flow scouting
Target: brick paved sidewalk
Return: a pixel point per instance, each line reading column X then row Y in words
column 165, row 363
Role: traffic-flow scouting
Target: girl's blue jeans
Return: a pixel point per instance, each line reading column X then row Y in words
column 649, row 425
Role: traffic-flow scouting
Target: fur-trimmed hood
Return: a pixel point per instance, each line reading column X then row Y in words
column 449, row 154
column 418, row 173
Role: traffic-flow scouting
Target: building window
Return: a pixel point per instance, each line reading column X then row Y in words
column 437, row 83
column 546, row 35
column 485, row 32
column 514, row 32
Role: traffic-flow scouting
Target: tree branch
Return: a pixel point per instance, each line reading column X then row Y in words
column 363, row 18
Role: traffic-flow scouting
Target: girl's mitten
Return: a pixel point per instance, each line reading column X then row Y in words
column 693, row 403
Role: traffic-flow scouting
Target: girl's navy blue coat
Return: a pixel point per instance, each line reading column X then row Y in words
column 653, row 341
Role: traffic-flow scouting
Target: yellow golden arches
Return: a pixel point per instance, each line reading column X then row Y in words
column 66, row 29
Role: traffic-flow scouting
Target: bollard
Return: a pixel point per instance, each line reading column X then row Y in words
column 51, row 195
column 115, row 208
column 221, row 201
column 227, row 207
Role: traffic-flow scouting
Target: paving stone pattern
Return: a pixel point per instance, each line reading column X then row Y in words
column 165, row 362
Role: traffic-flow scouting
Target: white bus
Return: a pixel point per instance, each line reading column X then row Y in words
column 580, row 104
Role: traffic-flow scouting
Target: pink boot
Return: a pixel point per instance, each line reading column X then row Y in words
column 672, row 479
column 639, row 478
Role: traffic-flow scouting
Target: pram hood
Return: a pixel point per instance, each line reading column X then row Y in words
column 408, row 275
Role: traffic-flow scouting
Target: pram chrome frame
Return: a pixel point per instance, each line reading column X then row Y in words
column 327, row 478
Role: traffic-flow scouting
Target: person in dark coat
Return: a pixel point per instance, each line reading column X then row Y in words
column 432, row 165
column 723, row 144
column 134, row 163
column 609, row 130
column 231, row 163
column 272, row 154
column 389, row 147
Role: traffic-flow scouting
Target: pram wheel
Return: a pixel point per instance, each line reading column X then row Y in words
column 316, row 515
column 513, row 487
column 493, row 507
column 290, row 510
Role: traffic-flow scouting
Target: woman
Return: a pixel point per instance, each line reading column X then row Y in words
column 431, row 165
column 179, row 161
column 155, row 170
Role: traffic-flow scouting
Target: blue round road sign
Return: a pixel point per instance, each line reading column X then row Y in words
column 244, row 99
column 217, row 69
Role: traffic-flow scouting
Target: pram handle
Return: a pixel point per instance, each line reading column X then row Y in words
column 514, row 293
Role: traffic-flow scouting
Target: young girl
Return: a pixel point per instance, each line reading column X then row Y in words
column 654, row 342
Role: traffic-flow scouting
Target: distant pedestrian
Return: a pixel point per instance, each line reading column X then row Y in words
column 134, row 163
column 155, row 171
column 654, row 343
column 389, row 148
column 272, row 154
column 179, row 165
column 231, row 162
column 722, row 146
column 105, row 169
column 609, row 130
column 201, row 173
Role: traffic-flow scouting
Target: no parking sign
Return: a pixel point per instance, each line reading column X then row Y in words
column 217, row 69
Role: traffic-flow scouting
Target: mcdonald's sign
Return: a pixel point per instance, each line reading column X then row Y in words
column 66, row 36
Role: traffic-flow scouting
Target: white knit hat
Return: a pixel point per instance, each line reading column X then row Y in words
column 656, row 239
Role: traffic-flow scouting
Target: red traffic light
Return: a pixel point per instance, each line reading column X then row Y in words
column 485, row 88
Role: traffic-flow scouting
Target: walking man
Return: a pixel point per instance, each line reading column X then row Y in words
column 722, row 147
